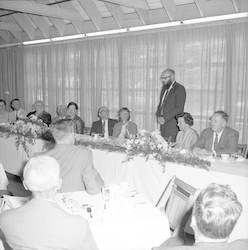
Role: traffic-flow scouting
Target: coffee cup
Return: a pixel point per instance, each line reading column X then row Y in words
column 224, row 157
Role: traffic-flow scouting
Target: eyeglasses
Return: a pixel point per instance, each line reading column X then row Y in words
column 164, row 78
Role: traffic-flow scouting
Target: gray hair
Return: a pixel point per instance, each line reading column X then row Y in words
column 62, row 129
column 41, row 174
column 217, row 211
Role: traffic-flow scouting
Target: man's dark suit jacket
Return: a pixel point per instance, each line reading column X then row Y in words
column 97, row 126
column 173, row 105
column 44, row 116
column 228, row 142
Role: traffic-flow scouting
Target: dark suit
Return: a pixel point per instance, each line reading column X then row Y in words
column 97, row 126
column 228, row 142
column 44, row 116
column 171, row 107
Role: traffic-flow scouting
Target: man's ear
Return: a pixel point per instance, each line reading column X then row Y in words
column 25, row 186
column 59, row 184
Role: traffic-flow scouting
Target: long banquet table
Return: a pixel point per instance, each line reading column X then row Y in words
column 14, row 159
column 148, row 177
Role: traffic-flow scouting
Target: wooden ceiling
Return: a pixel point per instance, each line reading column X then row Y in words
column 40, row 19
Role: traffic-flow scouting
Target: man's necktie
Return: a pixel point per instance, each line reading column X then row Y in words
column 103, row 128
column 16, row 115
column 216, row 142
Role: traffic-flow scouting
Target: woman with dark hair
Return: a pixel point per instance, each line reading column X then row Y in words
column 79, row 124
column 124, row 128
column 187, row 136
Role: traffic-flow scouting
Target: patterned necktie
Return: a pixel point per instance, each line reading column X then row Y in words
column 103, row 128
column 216, row 142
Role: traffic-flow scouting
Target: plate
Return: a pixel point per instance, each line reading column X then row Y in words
column 240, row 158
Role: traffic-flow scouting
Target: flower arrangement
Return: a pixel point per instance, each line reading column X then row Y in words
column 26, row 131
column 149, row 145
column 152, row 144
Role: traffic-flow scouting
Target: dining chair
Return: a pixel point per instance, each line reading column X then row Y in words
column 5, row 192
column 242, row 150
column 176, row 202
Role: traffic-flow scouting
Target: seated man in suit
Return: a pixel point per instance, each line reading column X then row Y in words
column 218, row 139
column 215, row 214
column 76, row 162
column 41, row 223
column 17, row 112
column 61, row 112
column 105, row 125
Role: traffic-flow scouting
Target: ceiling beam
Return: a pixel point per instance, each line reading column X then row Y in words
column 130, row 3
column 78, row 25
column 25, row 24
column 170, row 8
column 10, row 26
column 59, row 25
column 93, row 12
column 236, row 4
column 143, row 15
column 5, row 36
column 117, row 13
column 41, row 24
column 201, row 6
column 40, row 9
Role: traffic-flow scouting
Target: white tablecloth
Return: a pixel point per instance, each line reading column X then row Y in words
column 3, row 178
column 14, row 159
column 138, row 228
column 149, row 179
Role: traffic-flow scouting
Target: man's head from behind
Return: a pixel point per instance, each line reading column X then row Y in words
column 215, row 213
column 63, row 131
column 42, row 175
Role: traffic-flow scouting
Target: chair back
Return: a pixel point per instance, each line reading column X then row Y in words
column 242, row 150
column 176, row 202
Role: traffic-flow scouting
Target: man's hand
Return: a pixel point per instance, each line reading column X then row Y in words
column 202, row 152
column 161, row 120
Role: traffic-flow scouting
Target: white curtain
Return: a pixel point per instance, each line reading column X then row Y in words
column 211, row 63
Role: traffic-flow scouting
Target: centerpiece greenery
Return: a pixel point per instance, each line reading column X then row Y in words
column 149, row 145
column 25, row 130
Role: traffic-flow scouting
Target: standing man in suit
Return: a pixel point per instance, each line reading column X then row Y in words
column 218, row 139
column 17, row 112
column 105, row 125
column 215, row 214
column 172, row 100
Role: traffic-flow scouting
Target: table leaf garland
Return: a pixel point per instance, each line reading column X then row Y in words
column 149, row 145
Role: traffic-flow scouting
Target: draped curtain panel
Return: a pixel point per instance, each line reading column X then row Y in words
column 11, row 75
column 124, row 71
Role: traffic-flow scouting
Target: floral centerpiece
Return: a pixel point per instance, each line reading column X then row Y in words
column 25, row 131
column 149, row 145
column 153, row 145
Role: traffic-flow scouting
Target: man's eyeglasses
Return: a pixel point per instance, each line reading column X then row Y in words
column 164, row 78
